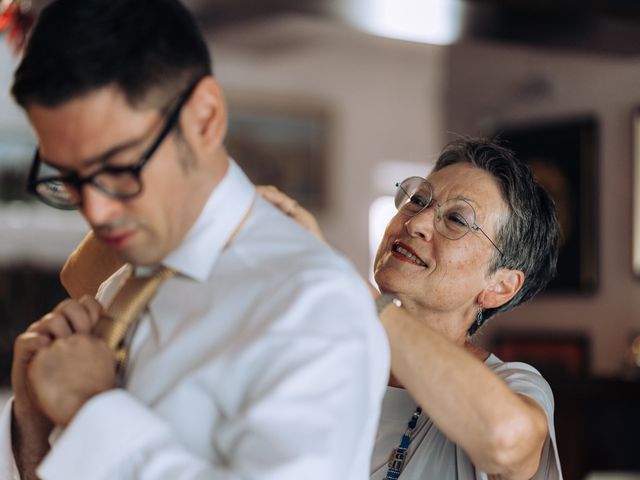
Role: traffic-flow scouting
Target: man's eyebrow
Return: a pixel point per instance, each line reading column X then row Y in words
column 101, row 158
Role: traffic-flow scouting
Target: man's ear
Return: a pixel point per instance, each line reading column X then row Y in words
column 503, row 285
column 205, row 116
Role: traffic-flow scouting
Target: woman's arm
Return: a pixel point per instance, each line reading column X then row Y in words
column 502, row 432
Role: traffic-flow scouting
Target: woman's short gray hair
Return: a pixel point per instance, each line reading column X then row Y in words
column 529, row 236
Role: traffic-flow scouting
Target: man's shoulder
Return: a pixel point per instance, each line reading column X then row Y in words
column 288, row 269
column 272, row 240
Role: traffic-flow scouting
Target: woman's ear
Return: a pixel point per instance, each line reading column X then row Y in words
column 205, row 116
column 503, row 285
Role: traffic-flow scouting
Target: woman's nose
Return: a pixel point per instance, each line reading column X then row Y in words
column 422, row 224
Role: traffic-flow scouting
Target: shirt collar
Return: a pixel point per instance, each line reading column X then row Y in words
column 226, row 207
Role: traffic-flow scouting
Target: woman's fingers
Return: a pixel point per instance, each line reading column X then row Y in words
column 291, row 208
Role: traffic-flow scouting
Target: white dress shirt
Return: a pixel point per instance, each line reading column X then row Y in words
column 262, row 360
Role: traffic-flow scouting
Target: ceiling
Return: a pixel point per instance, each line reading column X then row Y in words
column 600, row 26
column 597, row 26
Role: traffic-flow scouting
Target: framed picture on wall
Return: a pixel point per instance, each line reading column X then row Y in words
column 563, row 155
column 552, row 353
column 282, row 142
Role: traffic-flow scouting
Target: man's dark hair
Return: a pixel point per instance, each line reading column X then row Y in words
column 529, row 236
column 150, row 50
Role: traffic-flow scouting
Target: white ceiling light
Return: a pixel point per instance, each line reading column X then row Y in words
column 430, row 21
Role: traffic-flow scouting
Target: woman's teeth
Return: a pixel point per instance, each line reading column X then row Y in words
column 406, row 253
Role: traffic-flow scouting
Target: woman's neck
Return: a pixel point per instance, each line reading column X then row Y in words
column 451, row 324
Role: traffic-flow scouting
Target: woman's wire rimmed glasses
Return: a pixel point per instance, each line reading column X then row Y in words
column 453, row 219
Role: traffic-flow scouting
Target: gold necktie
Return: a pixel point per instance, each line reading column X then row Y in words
column 125, row 309
column 131, row 299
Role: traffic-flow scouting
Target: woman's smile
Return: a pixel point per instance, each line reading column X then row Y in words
column 405, row 253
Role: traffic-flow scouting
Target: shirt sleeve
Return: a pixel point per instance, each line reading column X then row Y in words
column 8, row 467
column 309, row 409
column 526, row 380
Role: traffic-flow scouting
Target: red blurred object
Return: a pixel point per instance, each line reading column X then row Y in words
column 6, row 17
column 17, row 20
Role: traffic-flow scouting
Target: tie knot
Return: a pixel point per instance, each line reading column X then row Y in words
column 128, row 304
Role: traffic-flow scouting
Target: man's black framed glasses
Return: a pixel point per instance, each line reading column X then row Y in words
column 121, row 182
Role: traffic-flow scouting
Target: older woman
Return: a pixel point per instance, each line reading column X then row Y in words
column 476, row 237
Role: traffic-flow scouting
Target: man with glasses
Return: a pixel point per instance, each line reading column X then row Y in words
column 258, row 357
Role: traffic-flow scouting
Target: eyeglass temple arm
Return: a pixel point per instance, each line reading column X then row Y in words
column 477, row 227
column 399, row 185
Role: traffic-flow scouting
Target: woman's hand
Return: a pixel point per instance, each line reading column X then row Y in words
column 291, row 208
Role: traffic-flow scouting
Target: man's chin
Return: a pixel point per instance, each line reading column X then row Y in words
column 142, row 262
column 140, row 257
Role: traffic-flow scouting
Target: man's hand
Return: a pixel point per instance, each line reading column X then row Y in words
column 66, row 374
column 67, row 318
column 30, row 426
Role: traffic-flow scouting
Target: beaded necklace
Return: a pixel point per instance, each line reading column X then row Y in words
column 399, row 454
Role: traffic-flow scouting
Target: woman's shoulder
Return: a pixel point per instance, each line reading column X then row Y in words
column 501, row 367
column 524, row 379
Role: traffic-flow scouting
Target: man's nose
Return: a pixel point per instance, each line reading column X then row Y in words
column 99, row 208
column 422, row 224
